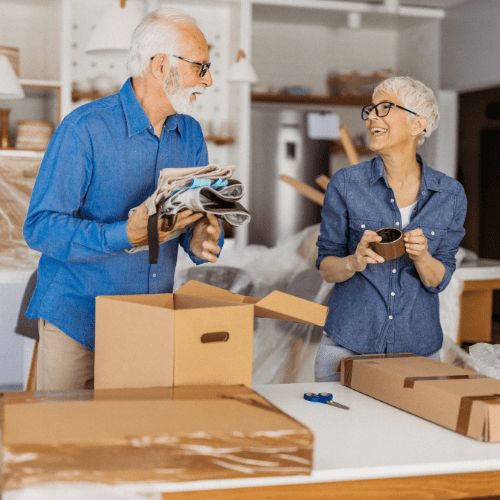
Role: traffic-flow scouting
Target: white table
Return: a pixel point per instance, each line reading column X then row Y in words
column 372, row 451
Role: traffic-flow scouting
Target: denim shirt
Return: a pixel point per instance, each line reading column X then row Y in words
column 386, row 308
column 103, row 160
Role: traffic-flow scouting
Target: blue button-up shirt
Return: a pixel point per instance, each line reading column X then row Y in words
column 102, row 160
column 386, row 308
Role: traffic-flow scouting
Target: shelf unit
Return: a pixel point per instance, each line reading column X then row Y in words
column 337, row 100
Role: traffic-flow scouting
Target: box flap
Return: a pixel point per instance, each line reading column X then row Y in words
column 199, row 289
column 279, row 305
column 276, row 305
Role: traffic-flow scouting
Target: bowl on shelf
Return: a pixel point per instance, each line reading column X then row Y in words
column 33, row 135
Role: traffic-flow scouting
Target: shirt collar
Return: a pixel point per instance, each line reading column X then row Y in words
column 136, row 118
column 174, row 122
column 428, row 176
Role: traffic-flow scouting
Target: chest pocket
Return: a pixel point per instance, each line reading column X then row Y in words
column 434, row 237
column 356, row 229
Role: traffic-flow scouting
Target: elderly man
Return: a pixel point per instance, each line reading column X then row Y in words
column 103, row 160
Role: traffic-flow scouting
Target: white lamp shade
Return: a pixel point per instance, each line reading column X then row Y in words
column 10, row 88
column 242, row 71
column 113, row 33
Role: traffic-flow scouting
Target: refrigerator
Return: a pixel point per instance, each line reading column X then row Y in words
column 281, row 145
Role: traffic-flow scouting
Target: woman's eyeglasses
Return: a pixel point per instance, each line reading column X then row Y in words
column 381, row 109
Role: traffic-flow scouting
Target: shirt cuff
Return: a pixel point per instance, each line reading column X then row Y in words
column 192, row 256
column 117, row 237
column 444, row 282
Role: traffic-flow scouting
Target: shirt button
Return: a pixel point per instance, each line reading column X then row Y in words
column 422, row 193
column 392, row 293
column 432, row 233
column 394, row 270
column 392, row 200
column 397, row 223
column 154, row 275
column 390, row 317
column 362, row 226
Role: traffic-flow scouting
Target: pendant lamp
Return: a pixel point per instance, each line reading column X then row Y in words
column 113, row 33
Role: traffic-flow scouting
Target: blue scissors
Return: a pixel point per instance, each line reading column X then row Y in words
column 323, row 397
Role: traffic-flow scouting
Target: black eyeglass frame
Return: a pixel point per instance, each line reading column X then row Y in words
column 204, row 67
column 375, row 107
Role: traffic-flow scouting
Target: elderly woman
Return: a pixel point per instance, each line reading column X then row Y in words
column 377, row 305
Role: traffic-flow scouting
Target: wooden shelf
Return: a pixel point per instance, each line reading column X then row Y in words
column 336, row 148
column 219, row 141
column 33, row 153
column 77, row 95
column 338, row 100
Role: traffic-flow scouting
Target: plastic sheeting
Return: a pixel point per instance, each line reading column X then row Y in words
column 284, row 352
column 17, row 177
column 485, row 359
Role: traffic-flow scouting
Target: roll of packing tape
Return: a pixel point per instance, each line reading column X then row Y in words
column 392, row 245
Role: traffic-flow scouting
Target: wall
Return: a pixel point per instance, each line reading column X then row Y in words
column 418, row 57
column 286, row 54
column 470, row 43
column 213, row 110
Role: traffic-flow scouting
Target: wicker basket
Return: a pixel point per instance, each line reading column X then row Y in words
column 33, row 135
column 12, row 54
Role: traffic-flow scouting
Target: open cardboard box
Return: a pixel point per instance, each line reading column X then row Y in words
column 459, row 399
column 200, row 334
column 160, row 434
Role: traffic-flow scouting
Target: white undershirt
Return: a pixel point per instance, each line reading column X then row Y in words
column 405, row 214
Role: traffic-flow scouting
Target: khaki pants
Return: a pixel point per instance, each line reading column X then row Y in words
column 63, row 364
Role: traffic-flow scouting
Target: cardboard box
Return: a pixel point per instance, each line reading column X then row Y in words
column 200, row 334
column 456, row 398
column 163, row 434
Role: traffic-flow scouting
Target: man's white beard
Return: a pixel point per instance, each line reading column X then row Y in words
column 178, row 95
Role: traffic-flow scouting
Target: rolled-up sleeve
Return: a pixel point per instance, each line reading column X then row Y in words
column 334, row 228
column 447, row 250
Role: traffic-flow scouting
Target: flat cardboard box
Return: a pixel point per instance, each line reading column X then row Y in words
column 459, row 399
column 200, row 334
column 161, row 434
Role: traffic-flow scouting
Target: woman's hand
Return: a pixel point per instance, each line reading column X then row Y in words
column 364, row 254
column 416, row 245
column 430, row 270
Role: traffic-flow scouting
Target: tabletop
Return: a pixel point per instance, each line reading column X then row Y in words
column 371, row 440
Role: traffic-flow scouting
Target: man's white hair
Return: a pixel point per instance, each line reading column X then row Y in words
column 415, row 96
column 157, row 33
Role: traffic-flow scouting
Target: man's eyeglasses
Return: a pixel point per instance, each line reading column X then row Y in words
column 385, row 107
column 204, row 67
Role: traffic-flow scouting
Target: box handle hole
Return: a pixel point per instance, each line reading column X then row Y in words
column 214, row 337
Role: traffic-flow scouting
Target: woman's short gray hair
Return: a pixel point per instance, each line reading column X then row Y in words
column 156, row 34
column 415, row 96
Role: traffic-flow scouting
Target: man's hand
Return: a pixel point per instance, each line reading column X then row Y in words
column 206, row 235
column 137, row 225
